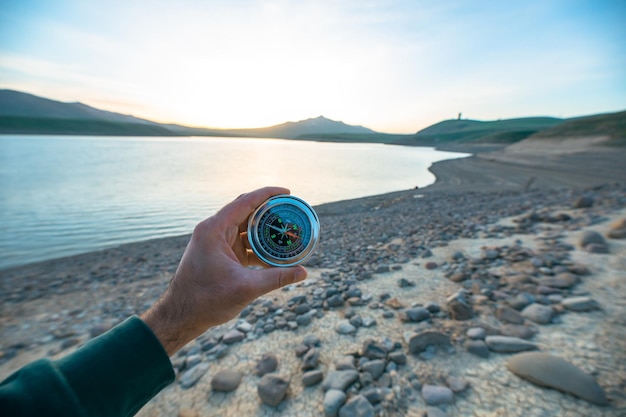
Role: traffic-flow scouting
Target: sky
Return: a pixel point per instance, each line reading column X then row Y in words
column 393, row 66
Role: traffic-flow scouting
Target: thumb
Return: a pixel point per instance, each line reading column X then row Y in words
column 274, row 278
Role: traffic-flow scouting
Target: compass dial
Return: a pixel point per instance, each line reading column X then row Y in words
column 283, row 231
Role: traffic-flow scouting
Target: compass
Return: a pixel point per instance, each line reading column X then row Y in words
column 283, row 231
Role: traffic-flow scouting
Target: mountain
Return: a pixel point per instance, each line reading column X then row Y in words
column 27, row 113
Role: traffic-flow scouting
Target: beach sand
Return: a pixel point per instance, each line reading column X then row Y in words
column 465, row 231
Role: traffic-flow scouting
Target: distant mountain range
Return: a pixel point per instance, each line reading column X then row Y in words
column 27, row 113
column 22, row 113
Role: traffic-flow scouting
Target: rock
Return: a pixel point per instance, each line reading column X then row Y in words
column 340, row 380
column 521, row 300
column 508, row 315
column 394, row 303
column 562, row 280
column 226, row 380
column 436, row 395
column 311, row 340
column 335, row 301
column 457, row 384
column 268, row 363
column 538, row 313
column 507, row 344
column 417, row 314
column 345, row 362
column 554, row 372
column 459, row 305
column 311, row 359
column 584, row 202
column 345, row 327
column 357, row 406
column 419, row 341
column 580, row 303
column 431, row 265
column 478, row 348
column 333, row 400
column 518, row 330
column 272, row 388
column 398, row 358
column 589, row 236
column 233, row 336
column 373, row 349
column 312, row 377
column 403, row 283
column 374, row 368
column 476, row 333
column 373, row 394
column 189, row 378
column 618, row 230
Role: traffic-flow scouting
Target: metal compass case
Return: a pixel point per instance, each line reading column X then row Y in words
column 283, row 231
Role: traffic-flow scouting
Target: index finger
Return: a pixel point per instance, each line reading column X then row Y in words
column 238, row 211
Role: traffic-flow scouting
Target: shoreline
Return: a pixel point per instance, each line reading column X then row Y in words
column 484, row 171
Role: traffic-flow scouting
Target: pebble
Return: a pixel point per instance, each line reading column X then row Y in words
column 357, row 406
column 476, row 333
column 580, row 303
column 312, row 377
column 437, row 395
column 374, row 368
column 478, row 348
column 417, row 314
column 226, row 380
column 272, row 388
column 508, row 315
column 554, row 372
column 457, row 384
column 190, row 377
column 268, row 363
column 419, row 341
column 340, row 380
column 233, row 336
column 333, row 400
column 618, row 230
column 459, row 305
column 507, row 344
column 539, row 313
column 345, row 327
column 310, row 359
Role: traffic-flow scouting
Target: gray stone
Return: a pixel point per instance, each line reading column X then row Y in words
column 508, row 315
column 589, row 236
column 398, row 358
column 580, row 303
column 562, row 280
column 345, row 327
column 268, row 363
column 310, row 359
column 312, row 377
column 554, row 372
column 333, row 400
column 478, row 348
column 345, row 362
column 311, row 340
column 460, row 306
column 584, row 202
column 417, row 314
column 357, row 406
column 335, row 301
column 373, row 394
column 457, row 384
column 507, row 344
column 272, row 388
column 233, row 336
column 189, row 378
column 436, row 395
column 226, row 380
column 597, row 248
column 476, row 333
column 340, row 380
column 539, row 313
column 375, row 368
column 373, row 349
column 419, row 341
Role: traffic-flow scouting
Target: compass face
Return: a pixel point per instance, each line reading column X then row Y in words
column 283, row 231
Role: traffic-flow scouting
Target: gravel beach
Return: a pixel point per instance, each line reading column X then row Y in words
column 500, row 290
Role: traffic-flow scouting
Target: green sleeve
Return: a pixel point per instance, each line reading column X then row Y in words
column 114, row 374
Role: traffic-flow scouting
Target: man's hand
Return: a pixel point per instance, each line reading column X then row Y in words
column 213, row 282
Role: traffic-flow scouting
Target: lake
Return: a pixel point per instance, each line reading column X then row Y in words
column 65, row 195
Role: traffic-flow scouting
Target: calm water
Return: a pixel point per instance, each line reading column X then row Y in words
column 63, row 195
